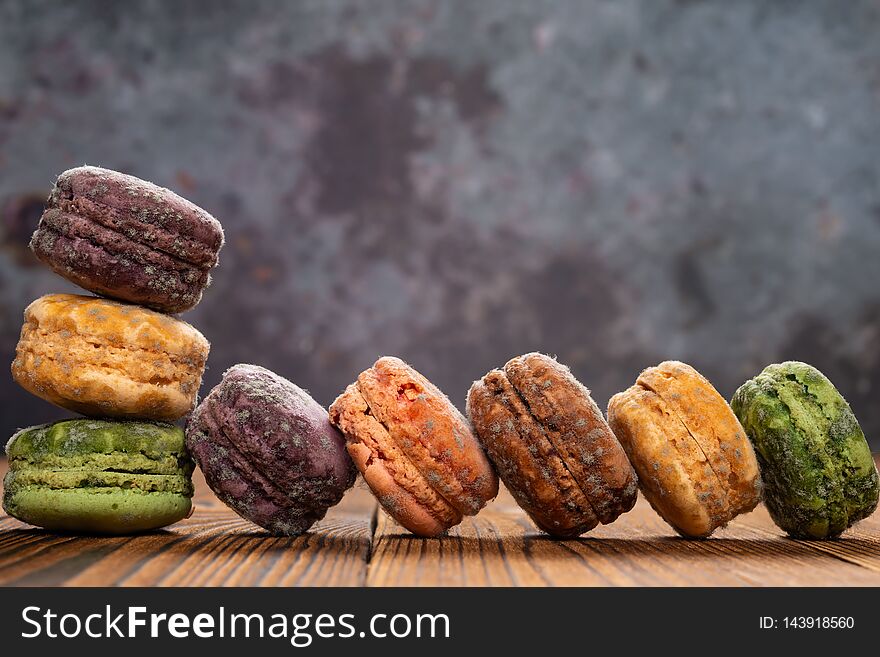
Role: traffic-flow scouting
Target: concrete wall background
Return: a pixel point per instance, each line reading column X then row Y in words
column 456, row 182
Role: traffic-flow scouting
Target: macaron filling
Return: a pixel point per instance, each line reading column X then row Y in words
column 134, row 462
column 24, row 477
column 90, row 353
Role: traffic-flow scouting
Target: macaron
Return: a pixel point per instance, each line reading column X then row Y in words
column 268, row 450
column 551, row 445
column 819, row 476
column 98, row 476
column 415, row 450
column 108, row 359
column 695, row 464
column 126, row 238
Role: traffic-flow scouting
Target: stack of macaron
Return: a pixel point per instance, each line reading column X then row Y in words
column 119, row 359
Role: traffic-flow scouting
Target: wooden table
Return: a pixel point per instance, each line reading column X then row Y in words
column 358, row 545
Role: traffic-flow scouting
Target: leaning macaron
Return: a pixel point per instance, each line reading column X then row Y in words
column 819, row 476
column 268, row 450
column 126, row 238
column 414, row 448
column 695, row 464
column 108, row 359
column 98, row 476
column 551, row 445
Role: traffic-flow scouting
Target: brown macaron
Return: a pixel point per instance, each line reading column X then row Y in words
column 413, row 447
column 551, row 445
column 695, row 464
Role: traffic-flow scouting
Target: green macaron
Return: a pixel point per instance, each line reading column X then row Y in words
column 819, row 476
column 98, row 476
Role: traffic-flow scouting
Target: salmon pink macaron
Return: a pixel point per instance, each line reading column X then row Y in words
column 413, row 447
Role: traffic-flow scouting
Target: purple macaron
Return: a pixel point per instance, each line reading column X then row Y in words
column 128, row 239
column 268, row 450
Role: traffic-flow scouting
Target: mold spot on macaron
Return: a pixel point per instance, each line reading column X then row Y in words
column 433, row 478
column 390, row 501
column 459, row 438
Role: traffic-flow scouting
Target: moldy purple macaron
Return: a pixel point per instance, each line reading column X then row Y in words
column 125, row 238
column 268, row 450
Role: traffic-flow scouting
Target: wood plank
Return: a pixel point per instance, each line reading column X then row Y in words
column 212, row 548
column 500, row 547
column 859, row 545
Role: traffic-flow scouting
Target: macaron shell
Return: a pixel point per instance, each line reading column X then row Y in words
column 578, row 431
column 431, row 432
column 713, row 425
column 115, row 444
column 398, row 485
column 526, row 460
column 104, row 358
column 97, row 510
column 673, row 472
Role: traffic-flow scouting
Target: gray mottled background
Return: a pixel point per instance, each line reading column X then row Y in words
column 616, row 183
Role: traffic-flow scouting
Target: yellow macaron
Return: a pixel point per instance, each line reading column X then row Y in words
column 109, row 359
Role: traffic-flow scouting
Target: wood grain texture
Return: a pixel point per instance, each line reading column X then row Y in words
column 214, row 547
column 356, row 545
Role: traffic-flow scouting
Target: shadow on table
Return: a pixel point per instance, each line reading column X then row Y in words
column 673, row 546
column 9, row 535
